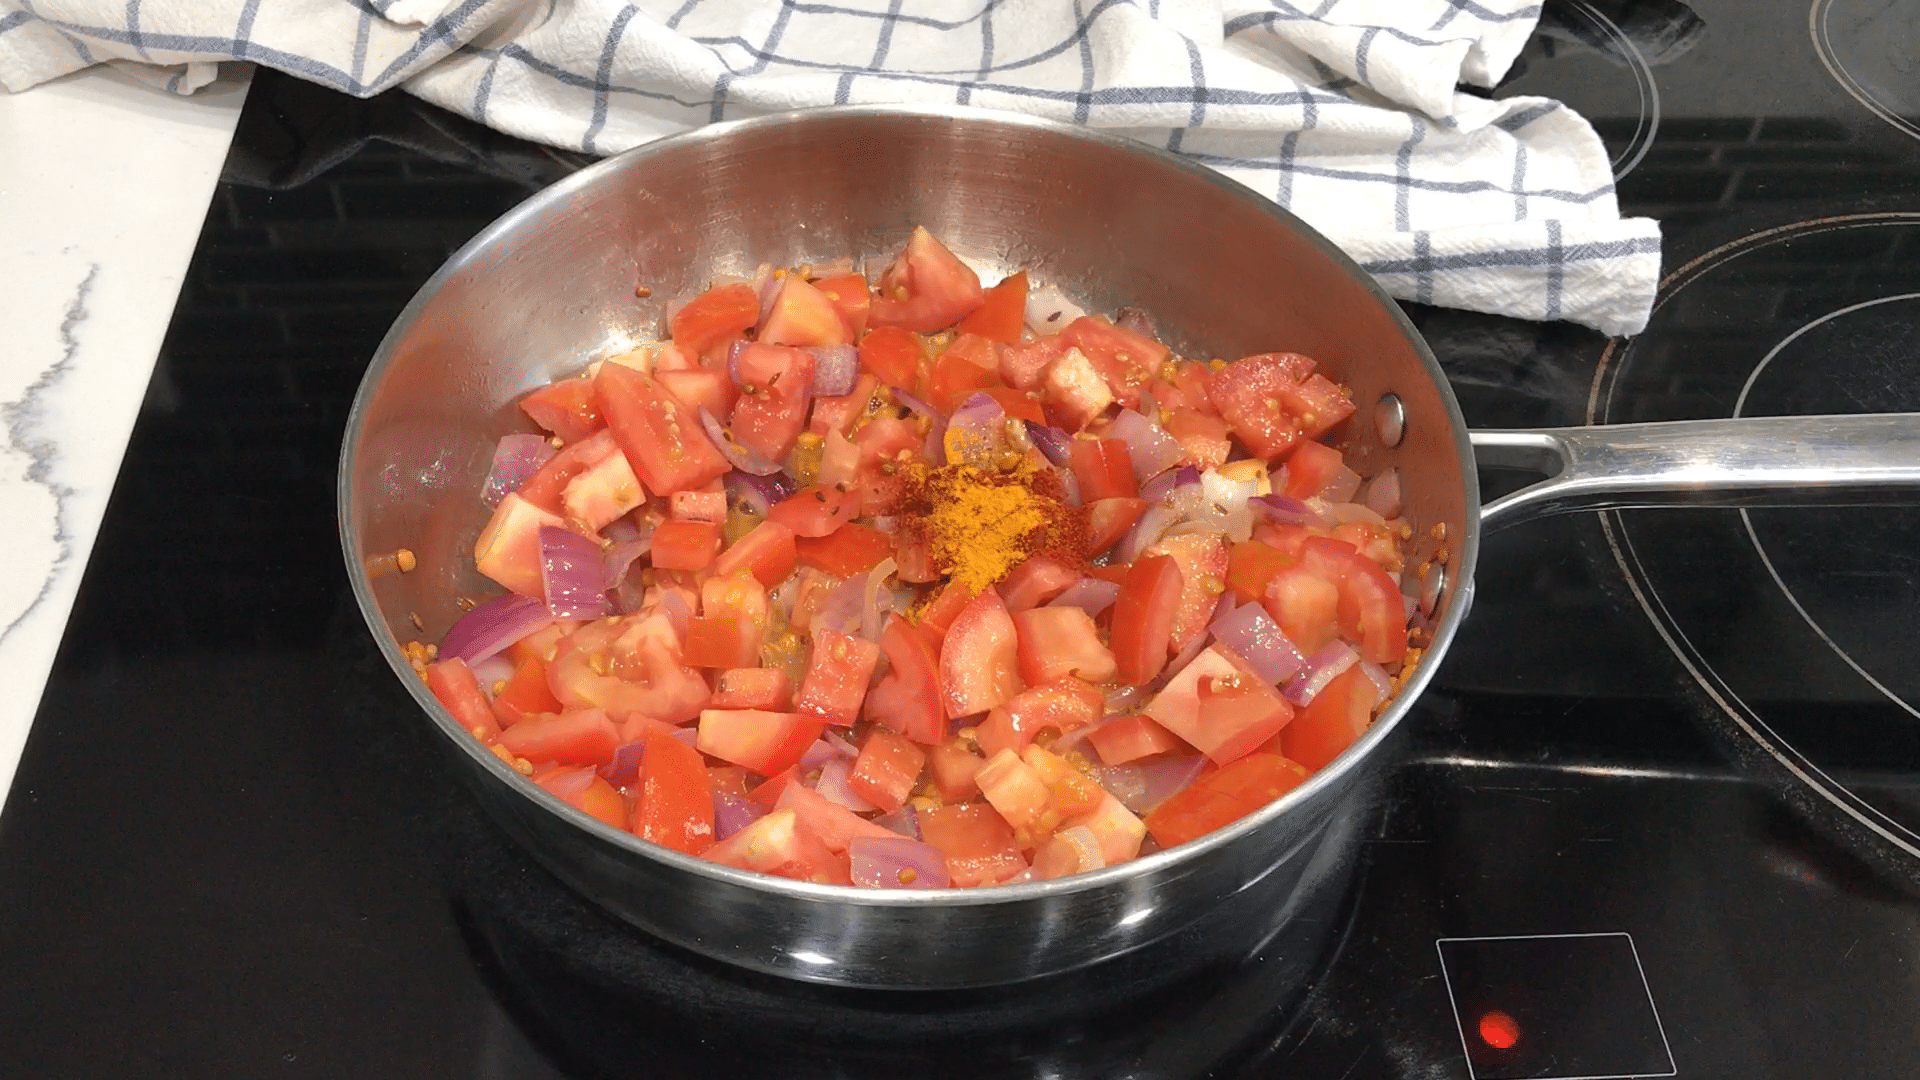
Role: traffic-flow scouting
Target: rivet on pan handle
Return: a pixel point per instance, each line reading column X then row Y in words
column 1759, row 461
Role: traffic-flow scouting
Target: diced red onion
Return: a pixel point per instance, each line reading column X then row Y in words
column 905, row 821
column 1326, row 664
column 1090, row 594
column 767, row 285
column 1147, row 531
column 876, row 602
column 731, row 813
column 833, row 784
column 978, row 428
column 914, row 404
column 840, row 746
column 818, row 755
column 491, row 670
column 675, row 607
column 624, row 769
column 1143, row 785
column 881, row 862
column 566, row 783
column 515, row 458
column 935, row 448
column 739, row 455
column 493, row 626
column 688, row 735
column 1057, row 445
column 835, row 367
column 1149, row 408
column 1072, row 739
column 1383, row 493
column 619, row 558
column 1153, row 450
column 1343, row 486
column 573, row 574
column 1122, row 699
column 1049, row 310
column 842, row 609
column 1342, row 513
column 1158, row 488
column 1412, row 605
column 1070, row 488
column 757, row 493
column 733, row 360
column 1136, row 320
column 1284, row 510
column 1253, row 635
column 1377, row 675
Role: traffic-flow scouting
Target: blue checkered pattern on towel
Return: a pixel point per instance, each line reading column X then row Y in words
column 1345, row 111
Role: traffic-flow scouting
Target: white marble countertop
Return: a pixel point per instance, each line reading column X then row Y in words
column 104, row 184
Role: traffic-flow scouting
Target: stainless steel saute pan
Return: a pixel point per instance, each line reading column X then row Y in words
column 553, row 285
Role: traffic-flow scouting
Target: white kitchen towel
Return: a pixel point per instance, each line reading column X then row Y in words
column 1347, row 112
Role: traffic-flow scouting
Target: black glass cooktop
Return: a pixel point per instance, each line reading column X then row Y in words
column 1657, row 816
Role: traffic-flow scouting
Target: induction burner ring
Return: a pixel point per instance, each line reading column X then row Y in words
column 1746, row 519
column 1873, row 54
column 1609, row 400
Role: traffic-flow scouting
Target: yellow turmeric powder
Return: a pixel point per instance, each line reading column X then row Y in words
column 978, row 525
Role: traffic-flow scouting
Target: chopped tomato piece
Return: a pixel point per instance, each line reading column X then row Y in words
column 1125, row 360
column 1249, row 395
column 566, row 407
column 710, row 506
column 1143, row 618
column 953, row 765
column 1202, row 558
column 722, row 641
column 926, row 288
column 761, row 741
column 1339, row 714
column 579, row 788
column 1130, row 738
column 969, row 364
column 1251, row 564
column 1017, row 793
column 660, row 435
column 979, row 660
column 907, row 698
column 816, row 510
column 508, row 550
column 886, row 769
column 1205, row 438
column 1024, row 365
column 897, row 357
column 675, row 807
column 850, row 296
column 1115, row 827
column 754, row 688
column 1223, row 797
column 803, row 315
column 1017, row 404
column 976, row 840
column 1109, row 520
column 852, row 549
column 526, row 692
column 1306, row 605
column 937, row 618
column 1066, row 704
column 628, row 666
column 700, row 388
column 574, row 737
column 1036, row 581
column 1104, row 468
column 776, row 387
column 1318, row 403
column 838, row 412
column 768, row 552
column 685, row 545
column 1060, row 641
column 777, row 845
column 453, row 682
column 837, row 675
column 1218, row 709
column 1311, row 467
column 715, row 317
column 545, row 487
column 831, row 822
column 606, row 491
column 1070, row 792
column 1075, row 390
column 1002, row 312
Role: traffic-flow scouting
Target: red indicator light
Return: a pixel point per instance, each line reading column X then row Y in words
column 1499, row 1030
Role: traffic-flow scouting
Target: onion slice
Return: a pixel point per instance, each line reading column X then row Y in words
column 835, row 367
column 833, row 784
column 1153, row 450
column 1149, row 529
column 1253, row 636
column 1090, row 594
column 1143, row 785
column 1057, row 445
column 573, row 573
column 887, row 862
column 1284, row 510
column 1326, row 664
column 976, row 432
column 872, row 613
column 1383, row 493
column 740, row 456
column 493, row 626
column 515, row 458
column 624, row 769
column 732, row 813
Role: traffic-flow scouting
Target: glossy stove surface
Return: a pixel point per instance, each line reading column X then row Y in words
column 1651, row 819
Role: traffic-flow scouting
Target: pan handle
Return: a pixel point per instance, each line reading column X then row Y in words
column 1758, row 461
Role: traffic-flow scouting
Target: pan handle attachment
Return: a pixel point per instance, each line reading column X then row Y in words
column 1759, row 461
